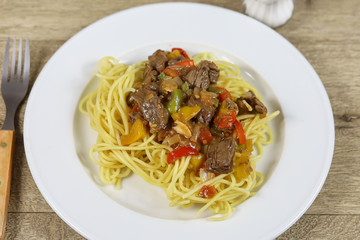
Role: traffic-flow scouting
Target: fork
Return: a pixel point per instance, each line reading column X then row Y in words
column 13, row 89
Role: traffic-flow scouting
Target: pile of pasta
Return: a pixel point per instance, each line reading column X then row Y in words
column 108, row 112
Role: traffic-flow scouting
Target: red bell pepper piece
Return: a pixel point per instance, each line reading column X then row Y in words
column 182, row 51
column 240, row 132
column 187, row 63
column 205, row 135
column 224, row 94
column 225, row 121
column 207, row 191
column 175, row 72
column 180, row 152
column 171, row 72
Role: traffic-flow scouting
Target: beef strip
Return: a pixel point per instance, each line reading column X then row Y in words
column 206, row 72
column 153, row 86
column 130, row 100
column 219, row 156
column 176, row 60
column 221, row 133
column 150, row 108
column 252, row 105
column 158, row 60
column 206, row 113
column 184, row 71
column 135, row 115
column 150, row 75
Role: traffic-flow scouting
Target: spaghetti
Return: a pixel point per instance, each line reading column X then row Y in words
column 108, row 111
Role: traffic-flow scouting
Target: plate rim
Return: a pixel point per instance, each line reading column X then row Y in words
column 85, row 233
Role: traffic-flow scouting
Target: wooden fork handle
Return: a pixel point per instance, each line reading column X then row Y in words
column 7, row 144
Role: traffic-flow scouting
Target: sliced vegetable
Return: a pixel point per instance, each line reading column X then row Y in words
column 182, row 52
column 204, row 174
column 242, row 171
column 224, row 94
column 243, row 158
column 233, row 114
column 240, row 147
column 186, row 113
column 168, row 84
column 175, row 102
column 205, row 135
column 214, row 89
column 185, row 86
column 216, row 102
column 181, row 152
column 199, row 172
column 226, row 116
column 172, row 140
column 197, row 161
column 224, row 120
column 137, row 132
column 240, row 132
column 225, row 109
column 172, row 72
column 208, row 98
column 207, row 191
column 249, row 145
column 182, row 128
column 187, row 63
column 173, row 54
column 161, row 76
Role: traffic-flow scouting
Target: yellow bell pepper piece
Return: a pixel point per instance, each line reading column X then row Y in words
column 249, row 145
column 197, row 161
column 243, row 158
column 173, row 54
column 186, row 113
column 242, row 171
column 137, row 132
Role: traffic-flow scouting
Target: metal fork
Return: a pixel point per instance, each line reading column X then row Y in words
column 13, row 88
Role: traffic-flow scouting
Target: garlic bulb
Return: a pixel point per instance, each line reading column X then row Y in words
column 271, row 12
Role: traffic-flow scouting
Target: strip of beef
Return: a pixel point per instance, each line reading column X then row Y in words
column 249, row 103
column 158, row 60
column 153, row 86
column 206, row 72
column 220, row 154
column 150, row 108
column 176, row 60
column 150, row 75
column 221, row 133
column 207, row 111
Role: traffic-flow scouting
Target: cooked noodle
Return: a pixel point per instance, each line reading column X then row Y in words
column 108, row 112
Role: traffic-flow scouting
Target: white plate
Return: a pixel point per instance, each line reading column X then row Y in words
column 57, row 137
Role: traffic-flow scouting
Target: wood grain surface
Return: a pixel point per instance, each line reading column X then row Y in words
column 7, row 144
column 327, row 32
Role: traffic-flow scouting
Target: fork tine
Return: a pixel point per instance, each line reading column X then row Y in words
column 18, row 72
column 26, row 63
column 12, row 72
column 6, row 62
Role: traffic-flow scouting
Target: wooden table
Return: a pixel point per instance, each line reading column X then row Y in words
column 327, row 32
